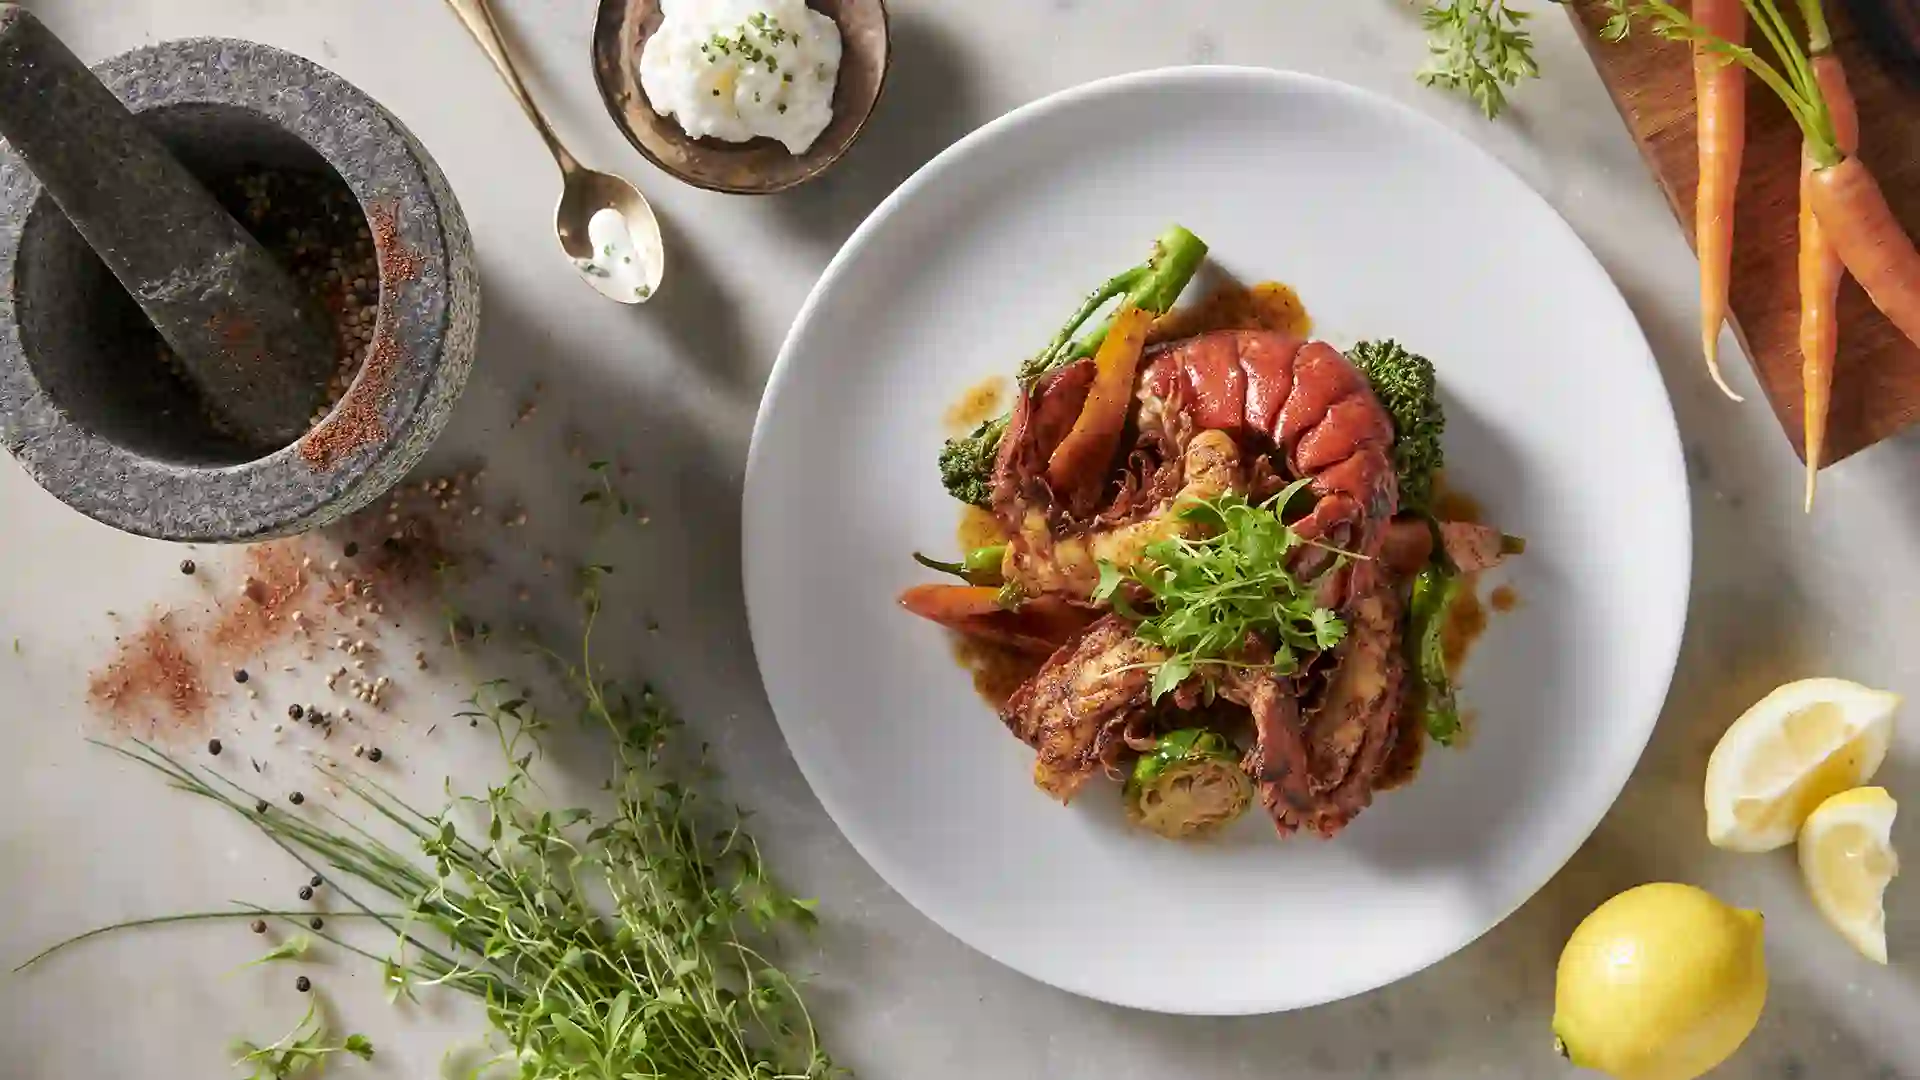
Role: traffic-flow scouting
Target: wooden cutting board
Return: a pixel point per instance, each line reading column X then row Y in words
column 1877, row 378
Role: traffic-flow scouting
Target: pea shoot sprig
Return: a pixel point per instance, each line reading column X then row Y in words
column 1205, row 597
column 1479, row 47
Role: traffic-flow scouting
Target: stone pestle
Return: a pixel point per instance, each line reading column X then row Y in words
column 248, row 339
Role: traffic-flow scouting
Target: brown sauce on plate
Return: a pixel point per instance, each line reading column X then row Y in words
column 997, row 670
column 1451, row 504
column 978, row 529
column 982, row 402
column 1268, row 305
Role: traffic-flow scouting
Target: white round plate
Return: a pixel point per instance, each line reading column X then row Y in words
column 1388, row 225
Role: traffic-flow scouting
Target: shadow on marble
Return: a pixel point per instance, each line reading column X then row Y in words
column 704, row 321
column 929, row 103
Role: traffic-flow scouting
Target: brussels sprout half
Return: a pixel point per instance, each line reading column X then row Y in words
column 1190, row 784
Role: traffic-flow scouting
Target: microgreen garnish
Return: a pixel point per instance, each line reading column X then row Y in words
column 1206, row 596
column 1481, row 47
column 299, row 1052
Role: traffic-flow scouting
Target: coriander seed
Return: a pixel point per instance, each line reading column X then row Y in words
column 259, row 926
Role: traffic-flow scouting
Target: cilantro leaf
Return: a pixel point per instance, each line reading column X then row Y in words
column 1479, row 47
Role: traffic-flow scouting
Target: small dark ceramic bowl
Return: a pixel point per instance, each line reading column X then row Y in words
column 761, row 166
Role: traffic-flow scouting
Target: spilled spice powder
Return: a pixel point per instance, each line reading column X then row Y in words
column 304, row 594
column 152, row 671
column 355, row 423
column 275, row 586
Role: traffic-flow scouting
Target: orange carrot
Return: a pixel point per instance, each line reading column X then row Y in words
column 1856, row 219
column 1720, row 103
column 945, row 604
column 1848, row 206
column 1037, row 627
column 1821, row 271
column 1082, row 457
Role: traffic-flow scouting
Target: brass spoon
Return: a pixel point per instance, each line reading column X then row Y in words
column 585, row 192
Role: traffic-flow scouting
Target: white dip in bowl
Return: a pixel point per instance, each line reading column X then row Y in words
column 739, row 69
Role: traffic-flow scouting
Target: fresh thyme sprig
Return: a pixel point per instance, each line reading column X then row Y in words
column 1209, row 595
column 1479, row 47
column 631, row 946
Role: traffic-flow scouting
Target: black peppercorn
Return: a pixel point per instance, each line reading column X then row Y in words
column 296, row 798
column 241, row 675
column 259, row 926
column 316, row 922
column 186, row 566
column 306, row 892
column 260, row 807
column 303, row 984
column 374, row 754
column 352, row 549
column 295, row 712
column 315, row 882
column 213, row 747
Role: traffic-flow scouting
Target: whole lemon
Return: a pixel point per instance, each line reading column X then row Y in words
column 1662, row 982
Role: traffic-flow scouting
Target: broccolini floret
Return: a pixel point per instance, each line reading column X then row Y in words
column 966, row 464
column 1407, row 388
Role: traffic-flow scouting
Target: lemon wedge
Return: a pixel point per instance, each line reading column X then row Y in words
column 1846, row 855
column 1800, row 745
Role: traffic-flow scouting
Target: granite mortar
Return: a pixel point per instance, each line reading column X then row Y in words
column 84, row 415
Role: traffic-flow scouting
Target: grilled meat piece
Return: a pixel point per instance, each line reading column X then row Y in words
column 1074, row 710
column 1318, row 773
column 1472, row 547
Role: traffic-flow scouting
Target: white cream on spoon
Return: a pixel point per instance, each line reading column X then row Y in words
column 622, row 266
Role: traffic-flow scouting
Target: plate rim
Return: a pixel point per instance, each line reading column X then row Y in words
column 1278, row 78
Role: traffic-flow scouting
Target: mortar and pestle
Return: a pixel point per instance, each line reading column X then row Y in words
column 160, row 369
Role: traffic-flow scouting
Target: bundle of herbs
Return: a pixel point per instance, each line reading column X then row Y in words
column 630, row 948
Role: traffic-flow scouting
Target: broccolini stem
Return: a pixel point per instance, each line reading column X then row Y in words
column 1154, row 285
column 1177, row 256
column 1434, row 591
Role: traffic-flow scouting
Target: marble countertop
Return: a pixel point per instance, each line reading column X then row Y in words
column 673, row 388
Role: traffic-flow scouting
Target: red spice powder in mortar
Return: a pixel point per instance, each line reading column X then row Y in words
column 355, row 423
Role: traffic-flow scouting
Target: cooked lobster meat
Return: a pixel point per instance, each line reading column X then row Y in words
column 1204, row 538
column 1203, row 406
